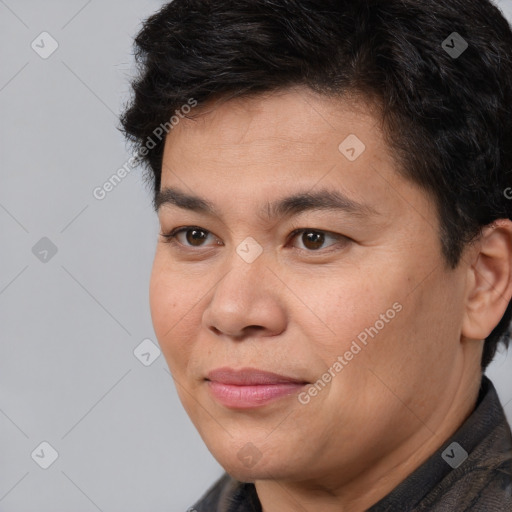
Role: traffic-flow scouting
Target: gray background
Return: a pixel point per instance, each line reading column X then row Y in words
column 70, row 321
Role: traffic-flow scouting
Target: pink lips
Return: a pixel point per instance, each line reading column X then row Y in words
column 248, row 387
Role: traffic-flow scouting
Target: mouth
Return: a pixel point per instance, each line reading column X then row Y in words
column 248, row 388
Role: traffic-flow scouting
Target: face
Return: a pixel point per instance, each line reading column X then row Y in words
column 317, row 263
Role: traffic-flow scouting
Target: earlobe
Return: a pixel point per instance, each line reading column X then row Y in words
column 489, row 282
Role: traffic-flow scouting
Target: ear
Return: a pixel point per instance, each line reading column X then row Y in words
column 489, row 283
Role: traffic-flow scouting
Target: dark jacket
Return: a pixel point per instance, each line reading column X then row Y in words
column 471, row 471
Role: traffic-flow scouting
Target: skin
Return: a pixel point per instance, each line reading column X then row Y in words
column 294, row 309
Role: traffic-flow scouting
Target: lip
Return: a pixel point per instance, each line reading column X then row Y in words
column 248, row 388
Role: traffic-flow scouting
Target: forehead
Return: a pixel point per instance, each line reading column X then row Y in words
column 287, row 132
column 250, row 148
column 290, row 117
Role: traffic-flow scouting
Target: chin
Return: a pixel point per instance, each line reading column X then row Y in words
column 248, row 464
column 250, row 475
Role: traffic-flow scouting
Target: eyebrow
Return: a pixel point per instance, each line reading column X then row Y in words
column 323, row 199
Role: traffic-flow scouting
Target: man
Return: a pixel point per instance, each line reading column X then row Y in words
column 334, row 269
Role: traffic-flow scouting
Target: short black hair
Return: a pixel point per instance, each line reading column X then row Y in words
column 445, row 108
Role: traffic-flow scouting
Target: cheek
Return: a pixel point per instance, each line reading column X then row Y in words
column 343, row 308
column 374, row 319
column 162, row 301
column 420, row 343
column 172, row 312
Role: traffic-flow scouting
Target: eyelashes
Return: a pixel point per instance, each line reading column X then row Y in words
column 172, row 237
column 201, row 234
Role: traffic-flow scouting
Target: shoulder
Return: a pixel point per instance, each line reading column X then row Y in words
column 481, row 489
column 470, row 472
column 483, row 482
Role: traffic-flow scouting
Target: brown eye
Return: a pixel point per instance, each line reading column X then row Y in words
column 314, row 240
column 195, row 236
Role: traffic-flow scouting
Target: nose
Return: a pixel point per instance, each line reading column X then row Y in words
column 248, row 301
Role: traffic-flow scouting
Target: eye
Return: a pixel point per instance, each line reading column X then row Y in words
column 194, row 235
column 312, row 239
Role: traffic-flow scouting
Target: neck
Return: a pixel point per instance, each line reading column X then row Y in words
column 359, row 492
